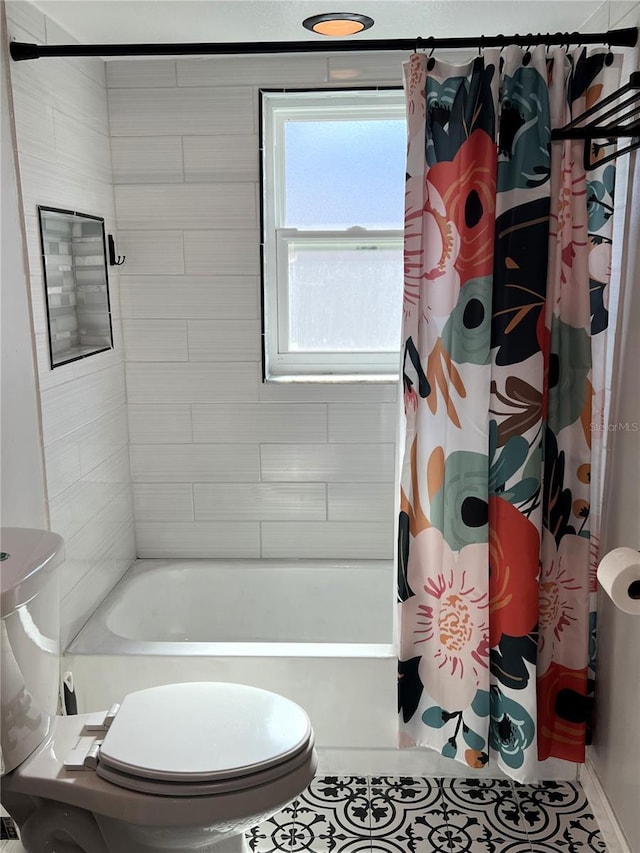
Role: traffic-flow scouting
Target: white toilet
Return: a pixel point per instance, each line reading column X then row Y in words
column 185, row 768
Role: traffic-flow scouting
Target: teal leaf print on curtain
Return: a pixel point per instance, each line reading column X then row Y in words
column 504, row 331
column 524, row 131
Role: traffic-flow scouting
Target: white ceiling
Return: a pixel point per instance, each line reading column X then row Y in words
column 130, row 21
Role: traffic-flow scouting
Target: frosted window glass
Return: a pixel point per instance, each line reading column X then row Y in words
column 342, row 174
column 344, row 298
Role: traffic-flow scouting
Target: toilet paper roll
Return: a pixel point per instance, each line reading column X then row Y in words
column 619, row 576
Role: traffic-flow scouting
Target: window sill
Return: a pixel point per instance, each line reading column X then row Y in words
column 334, row 379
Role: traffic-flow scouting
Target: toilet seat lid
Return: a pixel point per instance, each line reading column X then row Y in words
column 203, row 731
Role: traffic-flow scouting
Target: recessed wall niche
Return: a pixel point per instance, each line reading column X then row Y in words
column 76, row 284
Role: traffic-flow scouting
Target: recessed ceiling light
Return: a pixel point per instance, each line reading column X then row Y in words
column 338, row 23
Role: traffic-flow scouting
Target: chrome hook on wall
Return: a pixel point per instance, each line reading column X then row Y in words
column 113, row 260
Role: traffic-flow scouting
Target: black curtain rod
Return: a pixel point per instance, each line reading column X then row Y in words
column 614, row 38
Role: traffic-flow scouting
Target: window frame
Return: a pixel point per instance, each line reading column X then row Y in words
column 279, row 362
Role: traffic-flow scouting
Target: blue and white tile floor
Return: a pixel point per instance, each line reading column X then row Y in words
column 388, row 814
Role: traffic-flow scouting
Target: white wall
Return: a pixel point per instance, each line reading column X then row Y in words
column 64, row 161
column 23, row 501
column 616, row 748
column 222, row 464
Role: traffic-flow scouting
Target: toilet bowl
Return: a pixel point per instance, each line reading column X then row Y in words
column 182, row 768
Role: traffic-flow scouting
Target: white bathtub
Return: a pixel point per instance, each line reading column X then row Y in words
column 319, row 633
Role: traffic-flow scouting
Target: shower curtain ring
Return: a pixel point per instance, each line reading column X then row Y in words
column 608, row 60
column 418, row 44
column 431, row 63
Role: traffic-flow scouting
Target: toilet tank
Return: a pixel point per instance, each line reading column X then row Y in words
column 29, row 639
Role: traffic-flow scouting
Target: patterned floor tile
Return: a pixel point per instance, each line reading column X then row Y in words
column 475, row 833
column 557, row 817
column 483, row 816
column 273, row 835
column 326, row 790
column 404, row 781
column 333, row 816
column 407, row 814
column 474, row 784
column 408, row 818
column 414, row 838
column 322, row 832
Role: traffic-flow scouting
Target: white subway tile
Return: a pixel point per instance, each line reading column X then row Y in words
column 141, row 73
column 625, row 14
column 61, row 84
column 194, row 382
column 224, row 340
column 81, row 148
column 74, row 404
column 251, row 71
column 95, row 585
column 34, row 124
column 163, row 502
column 221, row 158
column 148, row 207
column 370, row 501
column 34, row 248
column 180, row 111
column 90, row 545
column 333, row 463
column 27, row 17
column 151, row 252
column 62, row 466
column 49, row 377
column 75, row 455
column 368, row 422
column 77, row 505
column 101, row 360
column 155, row 340
column 382, row 68
column 189, row 297
column 329, row 392
column 99, row 440
column 222, row 252
column 159, row 424
column 147, row 159
column 259, row 422
column 327, row 540
column 194, row 463
column 48, row 183
column 38, row 304
column 92, row 67
column 259, row 501
column 198, row 539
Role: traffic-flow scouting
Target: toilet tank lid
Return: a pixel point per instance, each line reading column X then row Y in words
column 203, row 731
column 27, row 556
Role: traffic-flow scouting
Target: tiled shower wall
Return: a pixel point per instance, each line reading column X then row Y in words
column 62, row 130
column 222, row 464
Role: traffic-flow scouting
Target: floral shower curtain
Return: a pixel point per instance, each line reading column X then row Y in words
column 507, row 249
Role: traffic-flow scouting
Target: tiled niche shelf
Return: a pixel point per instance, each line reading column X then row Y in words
column 76, row 284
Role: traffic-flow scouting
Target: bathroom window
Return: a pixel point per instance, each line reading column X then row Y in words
column 333, row 174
